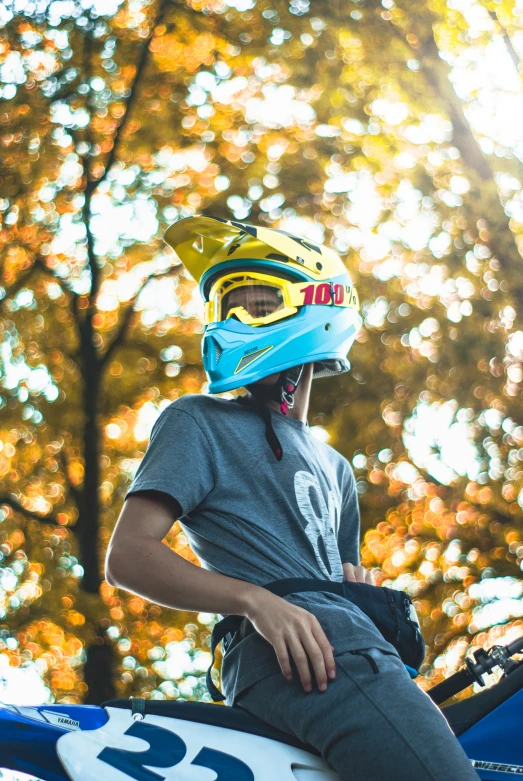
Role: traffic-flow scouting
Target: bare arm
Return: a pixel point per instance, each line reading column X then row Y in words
column 139, row 561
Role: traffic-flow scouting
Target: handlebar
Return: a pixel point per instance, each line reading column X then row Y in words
column 475, row 668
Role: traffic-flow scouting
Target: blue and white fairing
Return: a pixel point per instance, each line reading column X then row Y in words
column 185, row 741
column 28, row 736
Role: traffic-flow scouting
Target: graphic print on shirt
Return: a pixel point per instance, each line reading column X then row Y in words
column 322, row 522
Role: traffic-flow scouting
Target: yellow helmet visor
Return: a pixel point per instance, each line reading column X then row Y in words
column 256, row 298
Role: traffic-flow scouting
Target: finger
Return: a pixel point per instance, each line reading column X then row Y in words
column 349, row 571
column 360, row 573
column 283, row 659
column 300, row 658
column 369, row 577
column 326, row 648
column 315, row 656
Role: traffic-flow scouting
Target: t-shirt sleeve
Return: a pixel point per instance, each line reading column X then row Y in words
column 178, row 460
column 349, row 530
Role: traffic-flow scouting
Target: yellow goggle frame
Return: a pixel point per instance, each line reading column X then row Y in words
column 295, row 294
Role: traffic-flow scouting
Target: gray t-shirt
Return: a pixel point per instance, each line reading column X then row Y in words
column 252, row 517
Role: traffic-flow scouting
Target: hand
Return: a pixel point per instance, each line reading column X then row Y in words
column 358, row 574
column 292, row 630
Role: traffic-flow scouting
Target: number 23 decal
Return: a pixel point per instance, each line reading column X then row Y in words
column 167, row 749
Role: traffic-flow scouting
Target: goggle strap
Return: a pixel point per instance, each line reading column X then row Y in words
column 270, row 434
column 288, row 387
column 283, row 392
column 261, row 395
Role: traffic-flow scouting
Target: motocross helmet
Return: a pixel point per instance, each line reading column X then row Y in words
column 273, row 302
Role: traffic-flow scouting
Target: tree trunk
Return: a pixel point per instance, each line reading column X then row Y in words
column 99, row 670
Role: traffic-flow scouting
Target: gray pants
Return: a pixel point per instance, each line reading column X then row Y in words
column 373, row 723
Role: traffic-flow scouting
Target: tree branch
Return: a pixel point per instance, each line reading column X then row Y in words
column 75, row 492
column 120, row 336
column 15, row 505
column 480, row 171
column 40, row 264
column 463, row 137
column 90, row 186
column 140, row 68
column 507, row 39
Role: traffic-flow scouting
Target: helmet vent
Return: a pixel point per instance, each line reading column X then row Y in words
column 251, row 357
column 277, row 256
column 217, row 352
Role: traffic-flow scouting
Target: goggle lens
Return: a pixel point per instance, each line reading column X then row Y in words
column 248, row 296
column 257, row 300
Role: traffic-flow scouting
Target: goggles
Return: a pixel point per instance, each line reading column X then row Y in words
column 256, row 298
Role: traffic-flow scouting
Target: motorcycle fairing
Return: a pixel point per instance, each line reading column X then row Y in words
column 28, row 736
column 187, row 749
column 496, row 740
column 155, row 748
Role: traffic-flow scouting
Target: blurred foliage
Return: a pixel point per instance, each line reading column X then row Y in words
column 338, row 121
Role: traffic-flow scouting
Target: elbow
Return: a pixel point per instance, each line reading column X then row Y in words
column 108, row 578
column 120, row 562
column 108, row 575
column 110, row 571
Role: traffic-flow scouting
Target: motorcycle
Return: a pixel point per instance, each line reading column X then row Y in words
column 153, row 740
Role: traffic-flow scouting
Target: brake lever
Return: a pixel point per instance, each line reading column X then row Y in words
column 502, row 656
column 483, row 662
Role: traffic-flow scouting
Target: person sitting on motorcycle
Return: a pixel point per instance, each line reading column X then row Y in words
column 261, row 498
